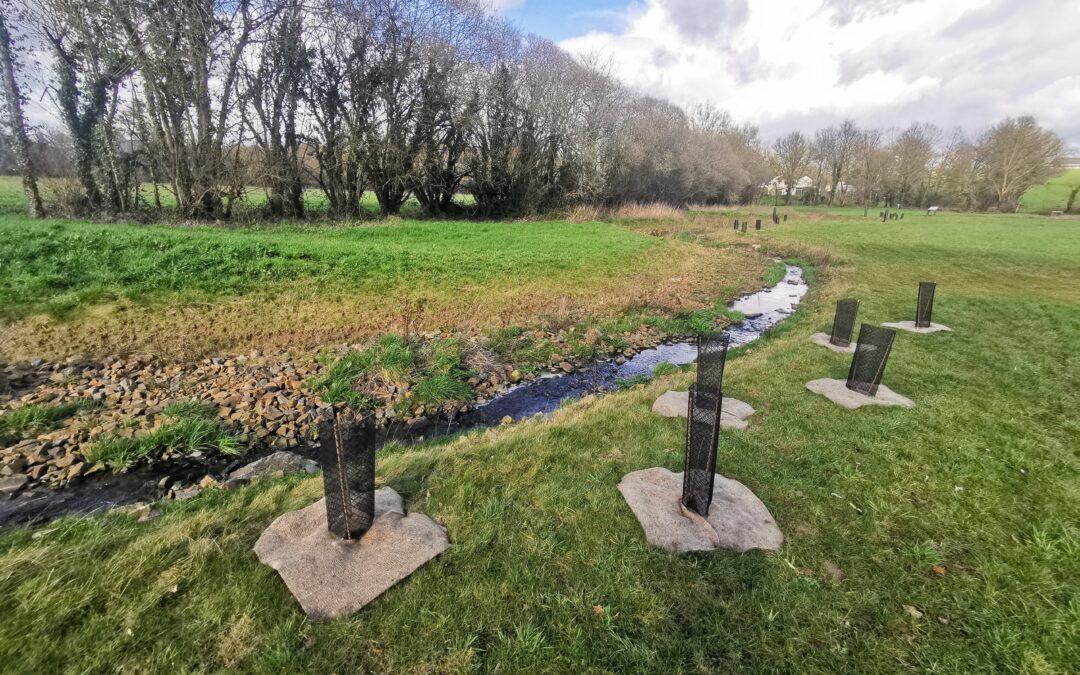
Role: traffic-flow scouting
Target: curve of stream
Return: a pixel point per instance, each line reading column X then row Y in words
column 763, row 310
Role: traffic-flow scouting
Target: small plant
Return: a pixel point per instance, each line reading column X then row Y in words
column 36, row 419
column 665, row 368
column 631, row 382
column 191, row 428
column 774, row 273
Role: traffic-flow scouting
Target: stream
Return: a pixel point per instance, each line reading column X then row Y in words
column 763, row 310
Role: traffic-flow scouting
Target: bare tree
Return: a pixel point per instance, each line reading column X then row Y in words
column 913, row 152
column 20, row 141
column 791, row 154
column 837, row 146
column 272, row 91
column 1016, row 154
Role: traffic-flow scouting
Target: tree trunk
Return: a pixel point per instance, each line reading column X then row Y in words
column 21, row 144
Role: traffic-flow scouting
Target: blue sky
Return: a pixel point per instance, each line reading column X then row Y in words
column 562, row 19
column 804, row 64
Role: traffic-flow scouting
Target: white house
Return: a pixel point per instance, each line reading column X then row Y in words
column 1070, row 163
column 777, row 186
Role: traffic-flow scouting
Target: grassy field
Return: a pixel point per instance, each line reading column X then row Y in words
column 1052, row 195
column 101, row 288
column 942, row 538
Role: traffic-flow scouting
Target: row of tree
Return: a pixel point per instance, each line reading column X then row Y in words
column 203, row 99
column 918, row 166
column 429, row 98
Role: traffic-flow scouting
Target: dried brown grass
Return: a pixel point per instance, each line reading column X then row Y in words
column 300, row 317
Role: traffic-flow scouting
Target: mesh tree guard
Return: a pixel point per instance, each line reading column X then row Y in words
column 844, row 322
column 703, row 422
column 744, row 224
column 757, row 224
column 736, row 227
column 347, row 456
column 926, row 304
column 871, row 354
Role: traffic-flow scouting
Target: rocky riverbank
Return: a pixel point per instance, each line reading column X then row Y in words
column 267, row 402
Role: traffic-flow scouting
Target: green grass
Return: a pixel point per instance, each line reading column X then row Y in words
column 1053, row 195
column 56, row 266
column 549, row 570
column 35, row 419
column 774, row 273
column 432, row 371
column 190, row 427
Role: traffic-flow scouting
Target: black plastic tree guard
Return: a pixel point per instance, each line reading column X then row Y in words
column 703, row 422
column 844, row 322
column 757, row 224
column 744, row 224
column 926, row 304
column 871, row 354
column 736, row 227
column 347, row 456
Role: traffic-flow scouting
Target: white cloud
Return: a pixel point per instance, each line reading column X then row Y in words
column 801, row 64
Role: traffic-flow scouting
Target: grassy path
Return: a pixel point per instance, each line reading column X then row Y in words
column 952, row 525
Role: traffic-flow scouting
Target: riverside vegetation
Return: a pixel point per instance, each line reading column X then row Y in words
column 938, row 538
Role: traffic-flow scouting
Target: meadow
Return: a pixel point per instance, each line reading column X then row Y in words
column 942, row 538
column 1053, row 195
column 186, row 291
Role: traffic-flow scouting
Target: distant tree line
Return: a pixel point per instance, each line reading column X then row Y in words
column 918, row 166
column 189, row 104
column 203, row 99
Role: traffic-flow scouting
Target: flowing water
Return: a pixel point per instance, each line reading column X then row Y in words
column 763, row 310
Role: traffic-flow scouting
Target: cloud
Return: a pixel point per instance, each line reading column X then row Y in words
column 706, row 19
column 803, row 64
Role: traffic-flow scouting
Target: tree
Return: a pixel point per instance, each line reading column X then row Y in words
column 20, row 141
column 1016, row 154
column 913, row 155
column 871, row 166
column 837, row 146
column 88, row 66
column 791, row 154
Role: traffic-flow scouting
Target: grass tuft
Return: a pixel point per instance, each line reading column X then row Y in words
column 190, row 428
column 36, row 419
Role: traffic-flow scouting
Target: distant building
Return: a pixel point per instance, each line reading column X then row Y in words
column 1070, row 163
column 777, row 186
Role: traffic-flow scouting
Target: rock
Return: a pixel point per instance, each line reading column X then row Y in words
column 515, row 376
column 737, row 519
column 10, row 485
column 15, row 465
column 207, row 482
column 566, row 367
column 822, row 339
column 331, row 577
column 910, row 327
column 733, row 412
column 185, row 493
column 277, row 464
column 837, row 392
column 64, row 461
column 76, row 470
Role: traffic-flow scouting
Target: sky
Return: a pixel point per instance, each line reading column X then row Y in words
column 804, row 64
